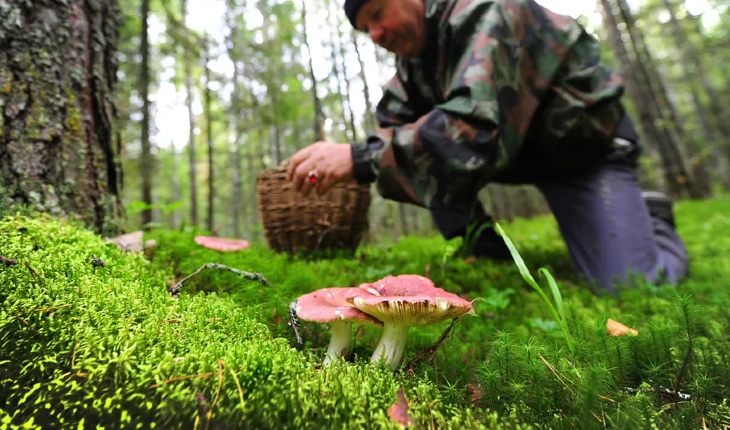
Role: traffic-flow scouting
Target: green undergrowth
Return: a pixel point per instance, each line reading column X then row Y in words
column 85, row 344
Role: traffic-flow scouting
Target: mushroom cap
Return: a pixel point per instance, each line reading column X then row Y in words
column 409, row 300
column 331, row 305
column 221, row 244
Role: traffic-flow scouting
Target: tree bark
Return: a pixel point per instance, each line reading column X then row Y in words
column 57, row 76
column 144, row 85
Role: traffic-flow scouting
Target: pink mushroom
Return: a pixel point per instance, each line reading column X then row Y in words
column 403, row 301
column 331, row 306
column 221, row 244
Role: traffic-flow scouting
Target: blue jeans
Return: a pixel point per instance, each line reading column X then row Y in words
column 605, row 224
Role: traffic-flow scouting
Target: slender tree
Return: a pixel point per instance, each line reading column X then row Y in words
column 340, row 43
column 711, row 116
column 209, row 138
column 318, row 114
column 336, row 72
column 369, row 111
column 192, row 157
column 642, row 86
column 144, row 86
column 233, row 20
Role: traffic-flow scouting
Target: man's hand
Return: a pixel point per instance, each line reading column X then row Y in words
column 320, row 166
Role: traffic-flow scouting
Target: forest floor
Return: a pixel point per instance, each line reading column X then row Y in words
column 90, row 335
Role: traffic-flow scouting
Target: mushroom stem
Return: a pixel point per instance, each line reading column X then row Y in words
column 339, row 342
column 391, row 345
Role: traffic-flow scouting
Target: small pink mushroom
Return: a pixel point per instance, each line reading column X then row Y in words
column 331, row 306
column 403, row 301
column 221, row 244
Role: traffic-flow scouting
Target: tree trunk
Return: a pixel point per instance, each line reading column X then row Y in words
column 254, row 152
column 209, row 141
column 192, row 162
column 336, row 71
column 346, row 97
column 237, row 196
column 236, row 113
column 318, row 114
column 638, row 85
column 144, row 85
column 714, row 127
column 369, row 111
column 670, row 129
column 176, row 189
column 57, row 75
column 692, row 72
column 405, row 228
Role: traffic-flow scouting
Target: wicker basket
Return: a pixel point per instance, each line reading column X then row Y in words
column 292, row 222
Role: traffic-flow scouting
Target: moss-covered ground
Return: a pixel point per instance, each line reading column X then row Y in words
column 85, row 344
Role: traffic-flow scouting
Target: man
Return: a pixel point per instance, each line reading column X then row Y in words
column 504, row 91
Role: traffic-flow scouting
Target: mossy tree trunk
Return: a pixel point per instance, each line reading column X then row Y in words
column 57, row 73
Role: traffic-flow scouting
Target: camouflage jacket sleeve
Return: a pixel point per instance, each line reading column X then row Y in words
column 451, row 121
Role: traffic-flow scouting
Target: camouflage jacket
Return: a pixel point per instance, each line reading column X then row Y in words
column 505, row 90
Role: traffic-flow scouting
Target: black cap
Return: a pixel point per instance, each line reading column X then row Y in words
column 351, row 9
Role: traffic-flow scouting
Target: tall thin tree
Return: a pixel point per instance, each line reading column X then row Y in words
column 318, row 114
column 369, row 112
column 192, row 157
column 144, row 84
column 207, row 96
column 641, row 85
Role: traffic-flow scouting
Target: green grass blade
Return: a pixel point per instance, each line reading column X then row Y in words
column 557, row 297
column 521, row 266
column 557, row 314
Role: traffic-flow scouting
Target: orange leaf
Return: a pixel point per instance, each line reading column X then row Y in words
column 398, row 412
column 615, row 328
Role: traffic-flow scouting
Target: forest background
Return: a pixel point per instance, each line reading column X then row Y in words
column 204, row 96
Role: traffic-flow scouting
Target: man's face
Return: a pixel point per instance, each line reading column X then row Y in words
column 397, row 25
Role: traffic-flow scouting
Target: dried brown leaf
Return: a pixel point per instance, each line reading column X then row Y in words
column 398, row 412
column 616, row 329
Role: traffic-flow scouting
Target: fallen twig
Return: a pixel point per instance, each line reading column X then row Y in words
column 294, row 322
column 53, row 308
column 35, row 274
column 427, row 354
column 557, row 374
column 175, row 290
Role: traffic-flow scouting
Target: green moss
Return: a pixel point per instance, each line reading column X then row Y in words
column 108, row 346
column 73, row 123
